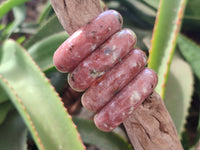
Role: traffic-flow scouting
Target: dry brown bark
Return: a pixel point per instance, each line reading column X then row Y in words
column 75, row 13
column 150, row 127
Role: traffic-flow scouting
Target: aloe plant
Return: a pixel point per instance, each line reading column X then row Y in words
column 6, row 6
column 20, row 71
column 177, row 85
column 164, row 38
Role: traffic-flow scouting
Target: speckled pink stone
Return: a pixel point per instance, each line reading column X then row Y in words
column 101, row 60
column 85, row 40
column 126, row 101
column 105, row 88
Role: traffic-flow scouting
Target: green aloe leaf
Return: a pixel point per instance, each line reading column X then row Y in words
column 29, row 28
column 52, row 26
column 144, row 12
column 36, row 100
column 3, row 96
column 152, row 3
column 164, row 38
column 45, row 14
column 191, row 52
column 42, row 52
column 19, row 13
column 192, row 11
column 191, row 19
column 91, row 135
column 13, row 133
column 192, row 15
column 4, row 110
column 58, row 80
column 179, row 91
column 7, row 5
column 135, row 13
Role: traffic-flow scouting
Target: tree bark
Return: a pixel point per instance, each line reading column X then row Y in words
column 75, row 13
column 150, row 127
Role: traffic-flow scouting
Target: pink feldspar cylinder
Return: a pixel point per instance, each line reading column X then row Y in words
column 106, row 87
column 125, row 102
column 102, row 59
column 85, row 40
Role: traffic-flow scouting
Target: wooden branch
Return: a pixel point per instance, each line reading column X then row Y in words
column 150, row 127
column 75, row 13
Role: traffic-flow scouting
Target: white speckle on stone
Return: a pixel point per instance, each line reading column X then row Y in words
column 114, row 56
column 135, row 96
column 144, row 59
column 107, row 54
column 131, row 110
column 93, row 47
column 144, row 90
column 151, row 76
column 134, row 64
column 120, row 73
column 123, row 114
column 109, row 28
column 95, row 73
column 105, row 125
column 111, row 128
column 114, row 47
column 76, row 54
column 139, row 64
column 85, row 64
column 100, row 84
column 101, row 73
column 96, row 37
